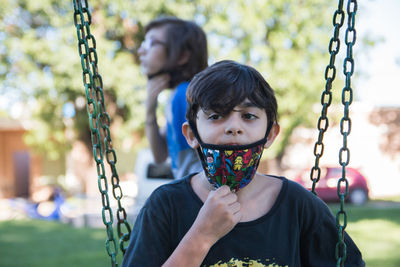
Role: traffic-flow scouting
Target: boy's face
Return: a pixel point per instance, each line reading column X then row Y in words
column 153, row 52
column 245, row 124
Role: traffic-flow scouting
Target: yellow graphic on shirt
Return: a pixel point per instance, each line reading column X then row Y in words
column 246, row 263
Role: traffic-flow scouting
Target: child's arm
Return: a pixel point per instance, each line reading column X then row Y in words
column 157, row 140
column 219, row 214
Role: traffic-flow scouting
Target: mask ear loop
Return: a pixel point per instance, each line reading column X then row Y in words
column 269, row 127
column 151, row 76
column 193, row 126
column 199, row 152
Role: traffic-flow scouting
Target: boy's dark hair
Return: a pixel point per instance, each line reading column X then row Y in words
column 182, row 36
column 226, row 84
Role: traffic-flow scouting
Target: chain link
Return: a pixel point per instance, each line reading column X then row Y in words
column 99, row 122
column 345, row 129
column 345, row 122
column 326, row 97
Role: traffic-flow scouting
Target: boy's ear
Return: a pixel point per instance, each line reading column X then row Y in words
column 189, row 135
column 272, row 134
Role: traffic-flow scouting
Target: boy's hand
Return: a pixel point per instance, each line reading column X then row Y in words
column 154, row 87
column 219, row 214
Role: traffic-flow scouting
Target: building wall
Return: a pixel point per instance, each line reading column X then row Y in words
column 18, row 166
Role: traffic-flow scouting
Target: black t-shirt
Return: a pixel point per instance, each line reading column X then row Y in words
column 299, row 230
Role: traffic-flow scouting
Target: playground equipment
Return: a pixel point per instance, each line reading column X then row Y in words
column 99, row 122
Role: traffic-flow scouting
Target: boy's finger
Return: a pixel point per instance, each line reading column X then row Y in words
column 230, row 198
column 223, row 190
column 234, row 207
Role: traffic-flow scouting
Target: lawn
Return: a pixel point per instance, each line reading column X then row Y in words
column 375, row 228
column 34, row 243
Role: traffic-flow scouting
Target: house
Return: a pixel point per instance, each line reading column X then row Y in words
column 19, row 167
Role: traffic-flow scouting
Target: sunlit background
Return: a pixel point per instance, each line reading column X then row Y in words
column 47, row 172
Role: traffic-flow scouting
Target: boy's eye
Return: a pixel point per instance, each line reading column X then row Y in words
column 214, row 116
column 249, row 116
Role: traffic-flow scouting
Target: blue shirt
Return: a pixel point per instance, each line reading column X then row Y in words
column 184, row 159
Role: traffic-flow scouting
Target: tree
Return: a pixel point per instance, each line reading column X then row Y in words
column 286, row 40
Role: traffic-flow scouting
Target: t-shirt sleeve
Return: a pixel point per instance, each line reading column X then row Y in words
column 149, row 243
column 319, row 243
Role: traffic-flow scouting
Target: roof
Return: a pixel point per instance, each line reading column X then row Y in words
column 10, row 124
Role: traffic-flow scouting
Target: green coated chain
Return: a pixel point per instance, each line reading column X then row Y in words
column 99, row 122
column 345, row 128
column 326, row 97
column 345, row 123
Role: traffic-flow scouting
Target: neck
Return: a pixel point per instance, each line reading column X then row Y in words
column 207, row 187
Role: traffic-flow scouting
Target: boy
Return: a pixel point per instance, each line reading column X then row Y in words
column 173, row 51
column 230, row 215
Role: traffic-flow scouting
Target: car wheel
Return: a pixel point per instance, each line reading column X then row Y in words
column 358, row 196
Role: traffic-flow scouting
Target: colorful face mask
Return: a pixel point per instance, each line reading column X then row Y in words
column 234, row 166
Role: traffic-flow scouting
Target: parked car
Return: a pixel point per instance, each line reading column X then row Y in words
column 326, row 187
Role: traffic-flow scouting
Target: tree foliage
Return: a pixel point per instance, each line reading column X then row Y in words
column 285, row 40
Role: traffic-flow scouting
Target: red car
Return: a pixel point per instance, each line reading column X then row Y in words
column 326, row 188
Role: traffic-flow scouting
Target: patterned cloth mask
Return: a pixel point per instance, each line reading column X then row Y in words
column 234, row 166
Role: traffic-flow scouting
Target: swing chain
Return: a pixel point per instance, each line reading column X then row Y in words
column 99, row 122
column 326, row 97
column 345, row 123
column 345, row 128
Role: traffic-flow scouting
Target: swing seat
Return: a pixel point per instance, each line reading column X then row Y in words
column 159, row 171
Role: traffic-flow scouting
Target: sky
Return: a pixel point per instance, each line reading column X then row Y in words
column 380, row 86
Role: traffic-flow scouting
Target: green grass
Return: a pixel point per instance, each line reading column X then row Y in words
column 32, row 243
column 375, row 229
